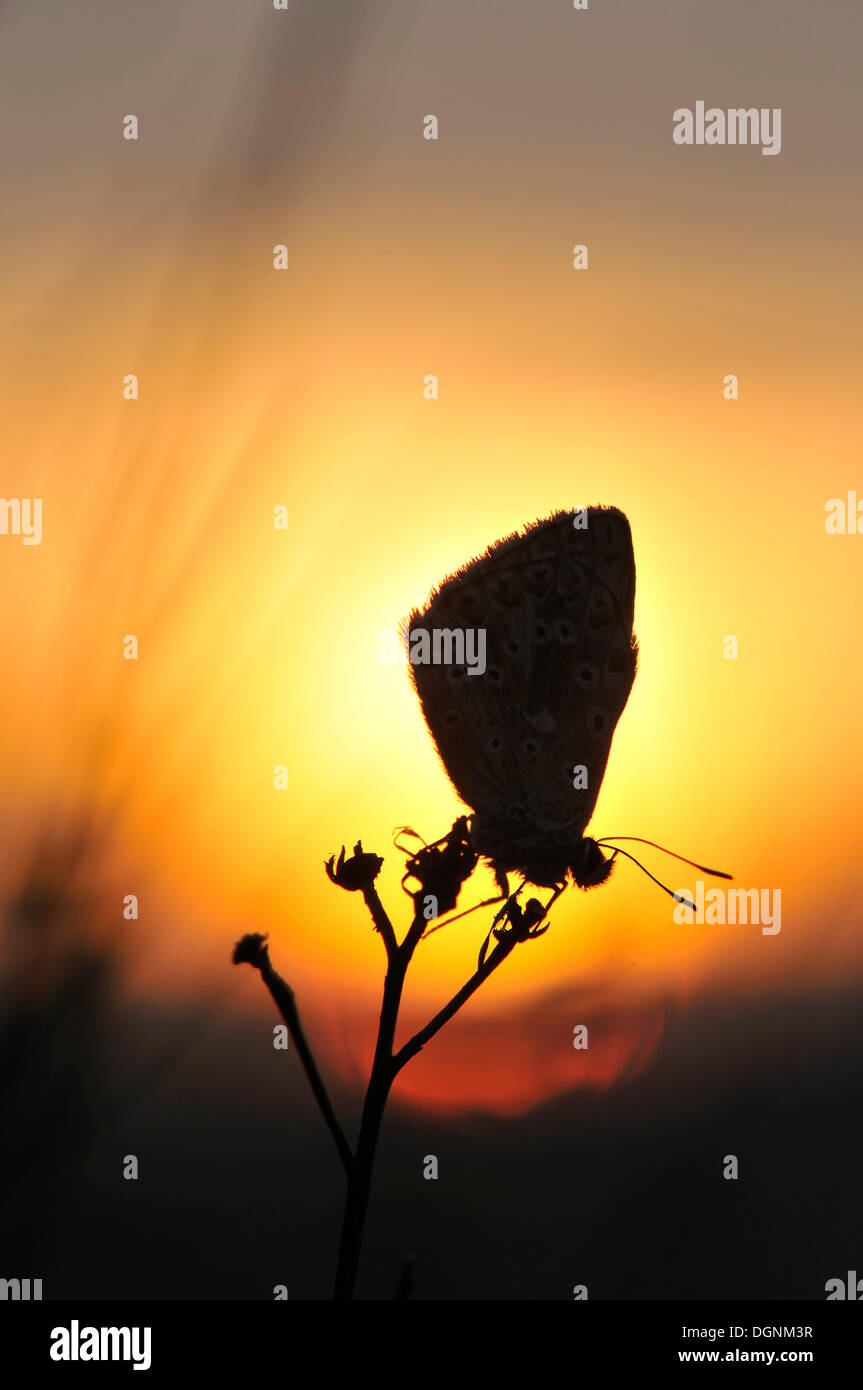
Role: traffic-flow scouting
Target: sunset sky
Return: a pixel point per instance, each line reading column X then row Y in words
column 304, row 388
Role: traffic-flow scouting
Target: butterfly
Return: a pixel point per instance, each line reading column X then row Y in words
column 525, row 732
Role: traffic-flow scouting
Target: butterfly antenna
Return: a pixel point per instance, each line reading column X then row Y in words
column 606, row 840
column 678, row 897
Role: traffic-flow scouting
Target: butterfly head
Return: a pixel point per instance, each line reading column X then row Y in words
column 589, row 866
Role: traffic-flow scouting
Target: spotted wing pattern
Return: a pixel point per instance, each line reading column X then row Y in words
column 556, row 604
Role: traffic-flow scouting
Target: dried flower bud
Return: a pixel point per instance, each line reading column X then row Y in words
column 356, row 874
column 442, row 868
column 524, row 922
column 251, row 949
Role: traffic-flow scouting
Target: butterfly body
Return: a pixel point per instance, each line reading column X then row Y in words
column 542, row 861
column 526, row 740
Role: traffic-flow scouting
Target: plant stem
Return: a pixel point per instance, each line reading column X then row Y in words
column 419, row 1040
column 380, row 919
column 380, row 1081
column 386, row 1065
column 385, row 1068
column 253, row 950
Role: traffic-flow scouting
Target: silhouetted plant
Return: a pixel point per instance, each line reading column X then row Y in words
column 441, row 870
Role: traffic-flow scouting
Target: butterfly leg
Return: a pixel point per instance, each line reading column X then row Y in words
column 502, row 882
column 487, row 902
column 560, row 888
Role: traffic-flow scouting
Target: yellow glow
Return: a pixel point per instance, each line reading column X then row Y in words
column 260, row 647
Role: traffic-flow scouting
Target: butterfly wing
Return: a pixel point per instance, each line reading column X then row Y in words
column 556, row 605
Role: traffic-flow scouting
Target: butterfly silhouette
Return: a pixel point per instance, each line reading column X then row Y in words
column 525, row 741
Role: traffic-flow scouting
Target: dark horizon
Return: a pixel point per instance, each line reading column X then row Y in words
column 622, row 1189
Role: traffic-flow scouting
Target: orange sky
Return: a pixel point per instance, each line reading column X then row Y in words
column 260, row 647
